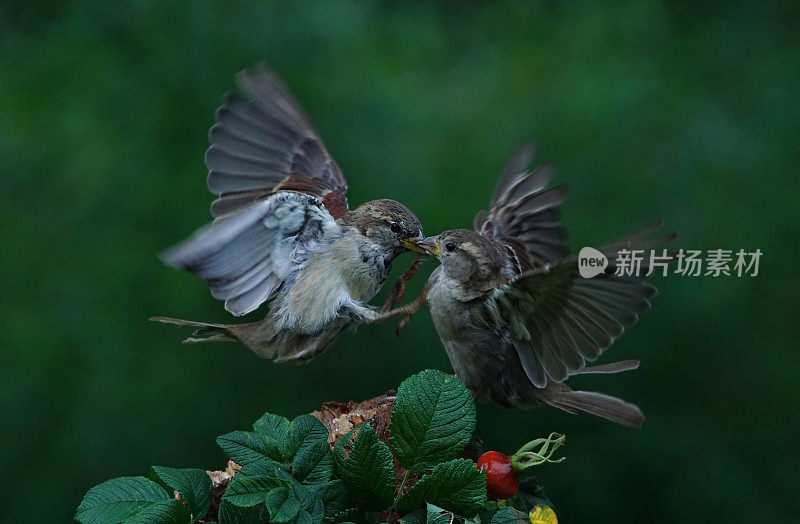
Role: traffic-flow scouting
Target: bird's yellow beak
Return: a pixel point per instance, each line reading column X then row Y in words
column 421, row 245
column 412, row 244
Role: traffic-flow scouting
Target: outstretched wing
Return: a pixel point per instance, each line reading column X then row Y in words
column 524, row 213
column 262, row 142
column 246, row 255
column 559, row 320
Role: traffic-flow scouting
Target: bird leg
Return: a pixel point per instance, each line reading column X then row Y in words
column 407, row 311
column 400, row 285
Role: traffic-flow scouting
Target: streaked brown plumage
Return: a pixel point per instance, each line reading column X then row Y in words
column 283, row 231
column 515, row 317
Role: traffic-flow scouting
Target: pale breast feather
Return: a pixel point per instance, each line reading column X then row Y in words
column 347, row 273
column 246, row 256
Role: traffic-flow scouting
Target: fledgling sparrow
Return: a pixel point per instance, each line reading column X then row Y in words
column 283, row 230
column 515, row 317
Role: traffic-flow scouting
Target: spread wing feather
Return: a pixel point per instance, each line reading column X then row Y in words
column 263, row 142
column 564, row 321
column 524, row 212
column 245, row 256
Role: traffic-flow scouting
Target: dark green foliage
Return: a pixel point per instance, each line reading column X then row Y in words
column 365, row 465
column 249, row 490
column 433, row 420
column 437, row 515
column 455, row 486
column 333, row 495
column 193, row 484
column 250, row 449
column 307, row 446
column 129, row 500
column 288, row 472
column 510, row 516
column 230, row 513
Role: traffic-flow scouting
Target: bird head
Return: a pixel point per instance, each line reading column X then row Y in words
column 389, row 224
column 467, row 258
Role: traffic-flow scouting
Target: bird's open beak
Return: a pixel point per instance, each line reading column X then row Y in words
column 422, row 245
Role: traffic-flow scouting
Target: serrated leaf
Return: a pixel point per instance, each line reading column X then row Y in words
column 333, row 495
column 330, row 491
column 356, row 516
column 301, row 443
column 230, row 513
column 130, row 499
column 311, row 510
column 282, row 505
column 432, row 420
column 485, row 514
column 312, row 462
column 270, row 468
column 418, row 516
column 456, row 486
column 311, row 507
column 164, row 512
column 246, row 448
column 193, row 484
column 343, row 517
column 510, row 516
column 249, row 490
column 367, row 469
column 311, row 502
column 437, row 515
column 277, row 428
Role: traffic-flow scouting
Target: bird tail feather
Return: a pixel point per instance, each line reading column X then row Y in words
column 205, row 333
column 613, row 367
column 604, row 406
column 287, row 347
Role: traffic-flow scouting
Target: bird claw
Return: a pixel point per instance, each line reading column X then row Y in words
column 399, row 289
column 403, row 324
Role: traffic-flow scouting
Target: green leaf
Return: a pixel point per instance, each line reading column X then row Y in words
column 277, row 428
column 282, row 505
column 249, row 490
column 432, row 420
column 485, row 514
column 230, row 513
column 312, row 511
column 365, row 465
column 130, row 499
column 301, row 443
column 510, row 516
column 437, row 515
column 356, row 516
column 166, row 512
column 343, row 517
column 418, row 516
column 266, row 467
column 193, row 484
column 333, row 495
column 312, row 462
column 456, row 486
column 246, row 448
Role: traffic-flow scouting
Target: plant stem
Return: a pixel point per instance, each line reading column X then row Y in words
column 393, row 509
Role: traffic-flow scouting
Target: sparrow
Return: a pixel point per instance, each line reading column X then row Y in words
column 514, row 315
column 283, row 232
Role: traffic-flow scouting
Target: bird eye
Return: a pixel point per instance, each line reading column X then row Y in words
column 450, row 246
column 395, row 227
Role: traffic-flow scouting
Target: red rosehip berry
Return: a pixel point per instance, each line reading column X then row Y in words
column 502, row 481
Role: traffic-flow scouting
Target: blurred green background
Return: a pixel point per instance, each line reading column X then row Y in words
column 688, row 111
